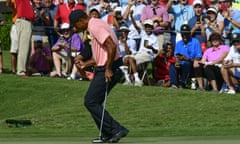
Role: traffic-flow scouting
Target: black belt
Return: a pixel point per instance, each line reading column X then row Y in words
column 23, row 18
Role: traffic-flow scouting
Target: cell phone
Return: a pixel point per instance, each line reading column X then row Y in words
column 145, row 43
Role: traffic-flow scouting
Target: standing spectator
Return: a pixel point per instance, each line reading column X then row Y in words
column 159, row 15
column 231, row 65
column 1, row 59
column 63, row 12
column 107, row 56
column 182, row 12
column 211, row 62
column 51, row 10
column 13, row 36
column 187, row 51
column 134, row 9
column 212, row 24
column 25, row 17
column 231, row 19
column 41, row 19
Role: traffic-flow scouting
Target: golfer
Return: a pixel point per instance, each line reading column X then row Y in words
column 106, row 54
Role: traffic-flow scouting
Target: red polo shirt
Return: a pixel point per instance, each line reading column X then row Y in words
column 24, row 9
column 64, row 11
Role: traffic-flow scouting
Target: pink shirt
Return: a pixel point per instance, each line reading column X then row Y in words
column 210, row 55
column 100, row 31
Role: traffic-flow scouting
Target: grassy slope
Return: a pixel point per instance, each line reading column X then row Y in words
column 56, row 108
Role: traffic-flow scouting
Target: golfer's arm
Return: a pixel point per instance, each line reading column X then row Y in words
column 111, row 51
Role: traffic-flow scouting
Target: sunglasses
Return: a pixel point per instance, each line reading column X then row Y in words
column 222, row 2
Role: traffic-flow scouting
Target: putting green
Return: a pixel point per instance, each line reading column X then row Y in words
column 128, row 140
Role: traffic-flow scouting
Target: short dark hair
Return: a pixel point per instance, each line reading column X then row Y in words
column 75, row 16
column 215, row 36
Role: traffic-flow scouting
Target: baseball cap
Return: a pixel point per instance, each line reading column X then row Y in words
column 212, row 10
column 185, row 29
column 235, row 37
column 65, row 26
column 124, row 28
column 75, row 15
column 148, row 22
column 197, row 2
column 37, row 38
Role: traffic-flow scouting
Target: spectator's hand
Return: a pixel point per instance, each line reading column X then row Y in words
column 131, row 2
column 108, row 75
column 177, row 65
column 225, row 14
column 228, row 64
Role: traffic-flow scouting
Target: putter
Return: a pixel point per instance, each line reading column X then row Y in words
column 104, row 107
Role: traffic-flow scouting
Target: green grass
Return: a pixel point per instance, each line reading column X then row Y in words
column 55, row 106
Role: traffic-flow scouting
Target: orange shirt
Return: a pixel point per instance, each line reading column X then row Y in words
column 14, row 11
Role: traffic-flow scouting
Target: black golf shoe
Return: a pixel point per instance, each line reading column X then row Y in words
column 115, row 138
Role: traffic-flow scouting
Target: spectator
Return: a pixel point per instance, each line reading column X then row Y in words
column 127, row 47
column 25, row 17
column 196, row 23
column 134, row 10
column 41, row 19
column 63, row 12
column 50, row 9
column 162, row 64
column 231, row 65
column 1, row 59
column 187, row 51
column 231, row 19
column 212, row 24
column 13, row 36
column 93, row 4
column 41, row 60
column 182, row 13
column 76, row 47
column 61, row 52
column 211, row 62
column 159, row 15
column 149, row 47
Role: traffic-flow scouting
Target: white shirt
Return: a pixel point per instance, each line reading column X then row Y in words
column 233, row 55
column 131, row 45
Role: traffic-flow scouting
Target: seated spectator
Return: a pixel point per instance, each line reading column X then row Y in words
column 231, row 65
column 61, row 53
column 149, row 47
column 41, row 60
column 211, row 63
column 187, row 51
column 127, row 47
column 162, row 64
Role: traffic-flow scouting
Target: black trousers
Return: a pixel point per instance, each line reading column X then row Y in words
column 95, row 97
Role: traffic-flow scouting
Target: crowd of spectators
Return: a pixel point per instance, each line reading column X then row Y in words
column 193, row 42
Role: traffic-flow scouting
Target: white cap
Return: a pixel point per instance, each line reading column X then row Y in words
column 197, row 2
column 65, row 26
column 37, row 38
column 212, row 9
column 149, row 22
column 124, row 28
column 118, row 9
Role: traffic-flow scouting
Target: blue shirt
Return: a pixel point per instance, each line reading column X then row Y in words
column 182, row 14
column 191, row 50
column 197, row 34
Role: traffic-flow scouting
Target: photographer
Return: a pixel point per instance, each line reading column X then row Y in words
column 162, row 64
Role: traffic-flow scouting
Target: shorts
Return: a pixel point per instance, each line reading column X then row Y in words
column 14, row 39
column 142, row 57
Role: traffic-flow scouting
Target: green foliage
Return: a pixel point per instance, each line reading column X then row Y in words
column 5, row 32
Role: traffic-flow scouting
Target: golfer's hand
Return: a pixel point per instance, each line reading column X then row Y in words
column 108, row 75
